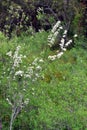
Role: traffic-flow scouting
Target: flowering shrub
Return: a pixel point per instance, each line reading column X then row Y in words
column 63, row 44
column 56, row 102
column 54, row 32
column 18, row 81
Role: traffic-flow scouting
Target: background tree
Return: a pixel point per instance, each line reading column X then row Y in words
column 66, row 11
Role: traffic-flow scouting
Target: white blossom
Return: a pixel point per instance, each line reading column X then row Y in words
column 62, row 42
column 64, row 36
column 9, row 53
column 63, row 49
column 50, row 36
column 60, row 27
column 38, row 68
column 17, row 59
column 65, row 32
column 55, row 26
column 30, row 70
column 75, row 36
column 41, row 60
column 52, row 40
column 27, row 76
column 37, row 75
column 26, row 101
column 59, row 54
column 68, row 43
column 52, row 57
column 18, row 48
column 34, row 79
column 55, row 34
column 24, row 56
column 19, row 73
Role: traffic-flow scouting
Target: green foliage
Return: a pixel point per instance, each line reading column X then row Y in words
column 56, row 102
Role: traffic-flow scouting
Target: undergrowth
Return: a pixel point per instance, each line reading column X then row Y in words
column 57, row 99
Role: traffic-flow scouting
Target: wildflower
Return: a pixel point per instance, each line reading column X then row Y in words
column 52, row 40
column 38, row 68
column 68, row 43
column 52, row 57
column 17, row 61
column 41, row 60
column 55, row 26
column 63, row 49
column 60, row 27
column 30, row 70
column 24, row 56
column 9, row 53
column 26, row 101
column 27, row 76
column 18, row 48
column 55, row 34
column 65, row 32
column 34, row 79
column 75, row 36
column 59, row 54
column 62, row 42
column 50, row 36
column 19, row 73
column 17, row 58
column 37, row 75
column 64, row 36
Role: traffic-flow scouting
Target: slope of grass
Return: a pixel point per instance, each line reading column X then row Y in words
column 56, row 102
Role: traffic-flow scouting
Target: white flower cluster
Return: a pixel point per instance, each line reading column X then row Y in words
column 17, row 58
column 26, row 101
column 19, row 73
column 63, row 44
column 54, row 33
column 63, row 47
column 32, row 72
column 75, row 35
column 52, row 58
column 34, row 69
column 9, row 53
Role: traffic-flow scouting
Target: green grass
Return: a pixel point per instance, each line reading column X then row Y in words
column 57, row 102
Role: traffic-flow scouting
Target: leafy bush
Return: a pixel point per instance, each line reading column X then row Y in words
column 57, row 99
